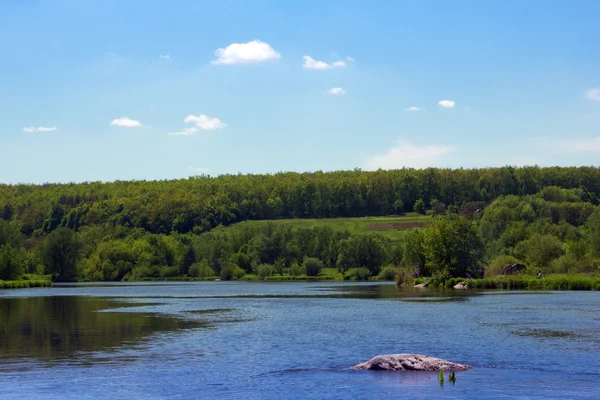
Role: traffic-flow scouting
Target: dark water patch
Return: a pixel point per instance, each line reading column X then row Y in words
column 211, row 311
column 63, row 327
column 546, row 333
column 435, row 299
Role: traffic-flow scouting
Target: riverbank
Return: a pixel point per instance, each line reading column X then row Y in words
column 24, row 284
column 522, row 282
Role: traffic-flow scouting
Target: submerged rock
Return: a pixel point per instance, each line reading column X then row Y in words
column 461, row 285
column 410, row 362
column 421, row 285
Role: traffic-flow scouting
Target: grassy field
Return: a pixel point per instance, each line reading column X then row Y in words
column 392, row 227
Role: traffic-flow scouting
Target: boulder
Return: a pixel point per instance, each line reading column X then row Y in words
column 461, row 285
column 512, row 269
column 410, row 362
column 422, row 285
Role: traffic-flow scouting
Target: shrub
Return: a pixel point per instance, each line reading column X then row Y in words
column 264, row 270
column 11, row 264
column 169, row 271
column 358, row 274
column 405, row 276
column 498, row 263
column 145, row 271
column 202, row 270
column 312, row 266
column 388, row 273
column 296, row 270
column 232, row 272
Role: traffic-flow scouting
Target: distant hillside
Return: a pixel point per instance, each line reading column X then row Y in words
column 199, row 204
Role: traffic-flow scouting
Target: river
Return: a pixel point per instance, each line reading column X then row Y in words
column 235, row 340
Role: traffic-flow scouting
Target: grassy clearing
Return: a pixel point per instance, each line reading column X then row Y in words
column 392, row 227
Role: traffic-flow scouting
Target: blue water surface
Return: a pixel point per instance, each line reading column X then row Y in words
column 296, row 341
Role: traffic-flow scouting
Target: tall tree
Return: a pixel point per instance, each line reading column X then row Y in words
column 61, row 253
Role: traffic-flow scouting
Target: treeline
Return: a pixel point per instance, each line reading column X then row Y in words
column 201, row 203
column 556, row 229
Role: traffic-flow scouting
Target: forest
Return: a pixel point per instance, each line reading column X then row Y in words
column 478, row 221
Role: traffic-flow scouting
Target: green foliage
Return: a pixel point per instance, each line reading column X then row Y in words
column 546, row 217
column 539, row 250
column 358, row 274
column 414, row 253
column 498, row 263
column 388, row 273
column 202, row 270
column 169, row 272
column 232, row 272
column 312, row 266
column 60, row 254
column 296, row 270
column 551, row 282
column 367, row 250
column 264, row 270
column 419, row 206
column 452, row 247
column 11, row 263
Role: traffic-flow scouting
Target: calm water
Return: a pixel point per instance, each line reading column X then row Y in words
column 226, row 340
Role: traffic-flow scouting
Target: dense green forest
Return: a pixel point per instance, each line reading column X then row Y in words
column 481, row 220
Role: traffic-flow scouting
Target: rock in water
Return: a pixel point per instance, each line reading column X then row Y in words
column 422, row 285
column 410, row 362
column 461, row 285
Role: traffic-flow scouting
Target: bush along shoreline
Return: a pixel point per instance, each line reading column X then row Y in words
column 514, row 282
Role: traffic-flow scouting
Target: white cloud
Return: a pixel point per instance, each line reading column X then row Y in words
column 593, row 94
column 245, row 53
column 446, row 103
column 468, row 108
column 410, row 156
column 350, row 59
column 165, row 56
column 336, row 91
column 413, row 108
column 205, row 122
column 185, row 132
column 33, row 129
column 126, row 122
column 311, row 63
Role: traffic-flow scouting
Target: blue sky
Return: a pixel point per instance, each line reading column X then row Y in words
column 106, row 90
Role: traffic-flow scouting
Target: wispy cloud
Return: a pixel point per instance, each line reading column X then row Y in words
column 336, row 91
column 245, row 53
column 413, row 108
column 468, row 108
column 408, row 155
column 593, row 94
column 165, row 56
column 185, row 132
column 311, row 63
column 446, row 103
column 349, row 58
column 33, row 129
column 126, row 122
